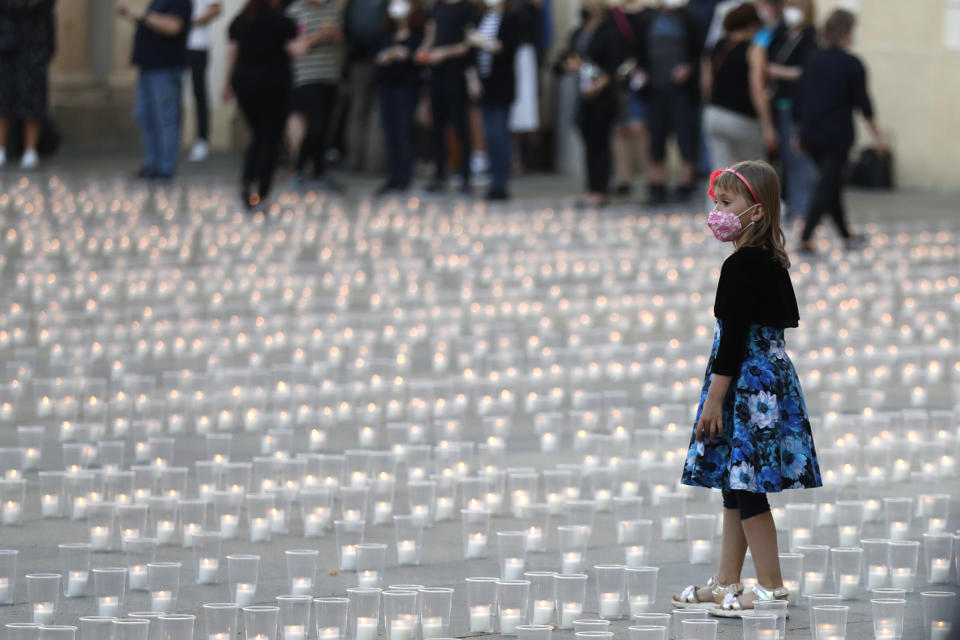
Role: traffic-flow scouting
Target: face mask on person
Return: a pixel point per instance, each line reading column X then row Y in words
column 793, row 17
column 398, row 9
column 726, row 225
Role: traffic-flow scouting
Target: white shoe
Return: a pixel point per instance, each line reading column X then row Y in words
column 30, row 159
column 200, row 151
column 3, row 156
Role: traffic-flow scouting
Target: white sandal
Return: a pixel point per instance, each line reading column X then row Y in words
column 730, row 606
column 688, row 597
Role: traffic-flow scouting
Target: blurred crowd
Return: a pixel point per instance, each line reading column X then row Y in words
column 383, row 84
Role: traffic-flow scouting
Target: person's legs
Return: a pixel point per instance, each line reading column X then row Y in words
column 686, row 111
column 658, row 123
column 361, row 82
column 461, row 116
column 4, row 131
column 623, row 168
column 326, row 99
column 308, row 104
column 830, row 165
column 496, row 128
column 389, row 120
column 836, row 163
column 197, row 60
column 144, row 108
column 167, row 96
column 31, row 133
column 440, row 112
column 249, row 106
column 273, row 114
column 296, row 131
column 406, row 108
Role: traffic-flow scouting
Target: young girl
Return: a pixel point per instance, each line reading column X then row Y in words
column 752, row 434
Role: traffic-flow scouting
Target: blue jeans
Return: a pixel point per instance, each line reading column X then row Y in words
column 397, row 116
column 799, row 172
column 158, row 114
column 496, row 120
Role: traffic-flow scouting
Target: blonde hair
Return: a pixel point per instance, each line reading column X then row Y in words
column 768, row 231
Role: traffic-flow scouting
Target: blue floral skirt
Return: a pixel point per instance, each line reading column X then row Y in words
column 766, row 445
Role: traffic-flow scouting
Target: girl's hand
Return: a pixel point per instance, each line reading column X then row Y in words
column 710, row 425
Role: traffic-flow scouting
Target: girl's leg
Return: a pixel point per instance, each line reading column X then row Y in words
column 761, row 536
column 733, row 548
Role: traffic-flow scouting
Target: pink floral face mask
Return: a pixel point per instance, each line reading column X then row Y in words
column 726, row 225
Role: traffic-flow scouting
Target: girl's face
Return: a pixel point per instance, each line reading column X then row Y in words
column 737, row 203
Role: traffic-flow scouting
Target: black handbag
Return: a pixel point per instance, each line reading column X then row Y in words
column 873, row 170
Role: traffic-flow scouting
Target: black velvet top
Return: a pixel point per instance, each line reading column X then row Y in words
column 753, row 289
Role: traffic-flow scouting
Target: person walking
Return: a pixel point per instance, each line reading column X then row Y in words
column 737, row 118
column 752, row 434
column 27, row 37
column 399, row 83
column 198, row 48
column 315, row 88
column 160, row 52
column 261, row 42
column 496, row 41
column 832, row 86
column 786, row 58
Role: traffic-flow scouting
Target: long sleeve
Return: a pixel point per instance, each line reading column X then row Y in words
column 861, row 97
column 732, row 309
column 733, row 343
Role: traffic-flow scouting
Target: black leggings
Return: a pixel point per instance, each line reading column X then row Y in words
column 265, row 109
column 828, row 196
column 197, row 60
column 750, row 504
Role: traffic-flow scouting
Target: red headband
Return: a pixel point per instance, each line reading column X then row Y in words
column 713, row 179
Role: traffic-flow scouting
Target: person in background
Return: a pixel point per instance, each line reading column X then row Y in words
column 27, row 37
column 737, row 117
column 785, row 61
column 261, row 42
column 445, row 49
column 832, row 85
column 160, row 52
column 314, row 95
column 671, row 58
column 198, row 47
column 363, row 33
column 592, row 55
column 399, row 82
column 525, row 111
column 496, row 40
column 629, row 132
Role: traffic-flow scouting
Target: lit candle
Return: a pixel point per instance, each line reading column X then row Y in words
column 569, row 612
column 701, row 552
column 298, row 632
column 876, row 576
column 636, row 556
column 899, row 530
column 513, row 568
column 849, row 585
column 476, row 546
column 366, row 629
column 827, row 515
column 108, row 606
column 137, row 577
column 368, row 579
column 639, row 604
column 602, row 499
column 406, row 552
column 940, row 630
column 50, row 505
column 494, row 502
column 902, row 578
column 100, row 538
column 813, row 582
column 548, row 442
column 278, row 520
column 571, row 562
column 228, row 526
column 543, row 611
column 535, row 539
column 382, row 512
column 509, row 619
column 43, row 612
column 12, row 513
column 610, row 605
column 77, row 584
column 431, row 628
column 939, row 571
column 480, row 621
column 5, row 595
column 207, row 571
column 348, row 558
column 936, row 525
column 161, row 601
column 555, row 503
column 313, row 525
column 401, row 629
column 259, row 530
column 246, row 592
column 164, row 532
column 670, row 528
column 801, row 537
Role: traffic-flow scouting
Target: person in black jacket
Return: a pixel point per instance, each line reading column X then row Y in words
column 398, row 79
column 833, row 84
column 672, row 41
column 495, row 42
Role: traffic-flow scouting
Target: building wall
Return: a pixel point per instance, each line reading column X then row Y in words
column 912, row 51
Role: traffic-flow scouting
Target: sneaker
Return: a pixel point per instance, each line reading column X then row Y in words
column 3, row 156
column 30, row 159
column 200, row 151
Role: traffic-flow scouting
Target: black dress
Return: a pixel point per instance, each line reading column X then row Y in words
column 27, row 42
